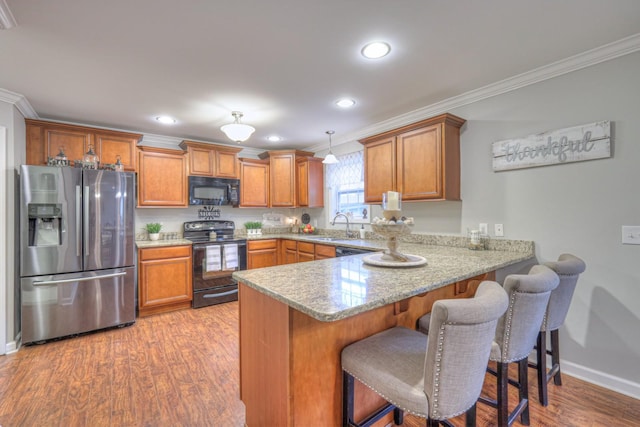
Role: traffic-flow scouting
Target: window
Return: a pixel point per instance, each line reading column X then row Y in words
column 345, row 182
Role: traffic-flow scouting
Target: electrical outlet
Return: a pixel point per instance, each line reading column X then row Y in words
column 499, row 230
column 483, row 228
column 631, row 234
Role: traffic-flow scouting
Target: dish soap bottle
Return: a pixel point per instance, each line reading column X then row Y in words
column 362, row 232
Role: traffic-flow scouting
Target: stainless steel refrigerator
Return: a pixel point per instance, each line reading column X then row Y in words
column 77, row 237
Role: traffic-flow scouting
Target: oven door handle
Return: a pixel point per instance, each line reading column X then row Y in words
column 223, row 294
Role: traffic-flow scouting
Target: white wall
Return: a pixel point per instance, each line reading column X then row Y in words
column 11, row 154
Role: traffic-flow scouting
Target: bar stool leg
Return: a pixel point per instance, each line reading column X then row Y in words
column 523, row 390
column 502, row 371
column 555, row 356
column 541, row 355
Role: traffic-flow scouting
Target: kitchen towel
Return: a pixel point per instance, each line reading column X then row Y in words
column 230, row 257
column 212, row 258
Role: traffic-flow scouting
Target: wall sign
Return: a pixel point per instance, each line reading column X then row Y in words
column 574, row 144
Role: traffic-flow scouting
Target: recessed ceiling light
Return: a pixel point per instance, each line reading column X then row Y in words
column 166, row 120
column 375, row 50
column 274, row 138
column 345, row 103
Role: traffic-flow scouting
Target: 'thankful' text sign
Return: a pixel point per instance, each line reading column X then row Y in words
column 574, row 144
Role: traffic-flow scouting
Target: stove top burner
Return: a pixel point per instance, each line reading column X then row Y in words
column 200, row 231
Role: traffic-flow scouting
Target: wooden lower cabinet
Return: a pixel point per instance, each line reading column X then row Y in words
column 164, row 279
column 324, row 251
column 262, row 253
column 306, row 251
column 290, row 371
column 288, row 252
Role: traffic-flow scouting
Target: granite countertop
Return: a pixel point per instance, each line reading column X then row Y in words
column 337, row 288
column 159, row 243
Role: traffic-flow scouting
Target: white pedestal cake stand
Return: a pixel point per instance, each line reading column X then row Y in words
column 392, row 257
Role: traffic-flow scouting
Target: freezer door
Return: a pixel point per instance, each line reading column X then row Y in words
column 68, row 304
column 50, row 220
column 108, row 206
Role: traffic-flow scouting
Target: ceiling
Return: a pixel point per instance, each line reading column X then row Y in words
column 283, row 63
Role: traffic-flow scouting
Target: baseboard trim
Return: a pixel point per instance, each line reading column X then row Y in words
column 611, row 382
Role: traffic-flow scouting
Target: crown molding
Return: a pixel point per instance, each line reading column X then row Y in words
column 161, row 141
column 19, row 101
column 6, row 17
column 586, row 59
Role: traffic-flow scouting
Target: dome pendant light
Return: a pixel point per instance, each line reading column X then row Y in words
column 236, row 131
column 330, row 159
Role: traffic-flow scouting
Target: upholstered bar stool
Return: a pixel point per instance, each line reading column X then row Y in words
column 568, row 268
column 516, row 336
column 436, row 376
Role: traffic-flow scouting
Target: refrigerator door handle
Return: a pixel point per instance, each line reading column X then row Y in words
column 85, row 220
column 81, row 279
column 78, row 221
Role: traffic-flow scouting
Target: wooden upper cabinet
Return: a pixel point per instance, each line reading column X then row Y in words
column 379, row 169
column 254, row 183
column 45, row 139
column 212, row 160
column 296, row 179
column 110, row 145
column 421, row 161
column 162, row 178
column 310, row 182
column 282, row 191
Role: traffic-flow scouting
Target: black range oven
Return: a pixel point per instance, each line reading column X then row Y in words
column 216, row 255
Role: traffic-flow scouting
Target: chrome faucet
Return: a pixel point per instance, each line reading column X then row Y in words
column 349, row 232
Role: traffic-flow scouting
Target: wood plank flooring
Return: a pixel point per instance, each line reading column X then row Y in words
column 181, row 369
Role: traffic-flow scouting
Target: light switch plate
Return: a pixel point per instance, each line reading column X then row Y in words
column 631, row 234
column 499, row 230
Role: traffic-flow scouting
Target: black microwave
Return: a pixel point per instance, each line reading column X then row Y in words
column 204, row 190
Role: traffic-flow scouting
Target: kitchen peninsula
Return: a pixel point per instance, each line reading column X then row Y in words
column 295, row 320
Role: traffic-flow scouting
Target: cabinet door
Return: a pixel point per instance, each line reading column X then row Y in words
column 379, row 169
column 262, row 253
column 226, row 164
column 162, row 178
column 201, row 161
column 302, row 176
column 75, row 142
column 164, row 279
column 109, row 146
column 420, row 164
column 254, row 183
column 306, row 251
column 283, row 186
column 288, row 252
column 310, row 182
column 325, row 251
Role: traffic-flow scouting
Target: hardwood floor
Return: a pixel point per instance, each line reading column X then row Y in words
column 181, row 369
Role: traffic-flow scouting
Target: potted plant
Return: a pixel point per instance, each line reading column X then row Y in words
column 153, row 228
column 254, row 228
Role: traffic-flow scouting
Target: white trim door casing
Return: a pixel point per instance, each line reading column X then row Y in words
column 3, row 238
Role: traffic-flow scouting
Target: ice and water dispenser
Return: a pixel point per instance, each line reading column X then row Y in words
column 45, row 224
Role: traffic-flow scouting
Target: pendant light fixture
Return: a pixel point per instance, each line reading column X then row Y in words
column 236, row 131
column 330, row 159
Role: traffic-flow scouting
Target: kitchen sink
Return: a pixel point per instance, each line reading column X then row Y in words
column 325, row 239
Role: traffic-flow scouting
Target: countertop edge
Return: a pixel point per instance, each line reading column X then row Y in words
column 349, row 312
